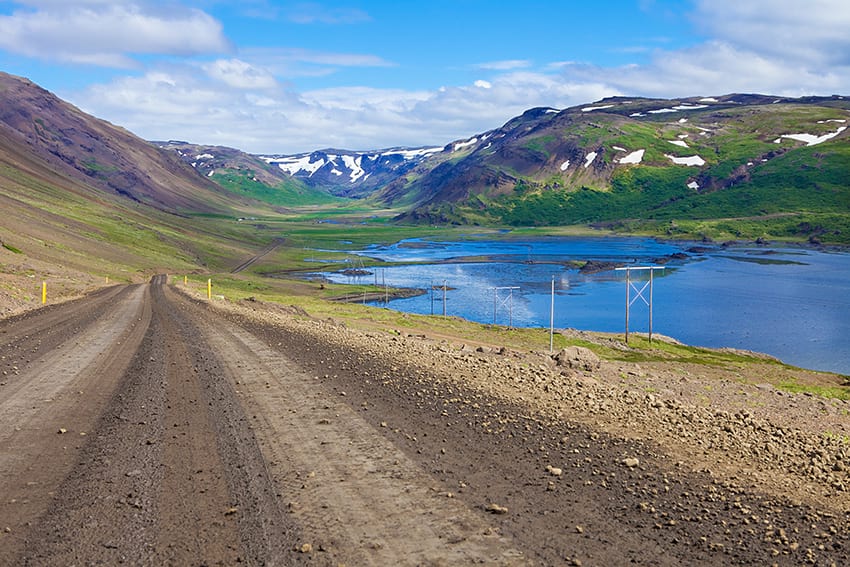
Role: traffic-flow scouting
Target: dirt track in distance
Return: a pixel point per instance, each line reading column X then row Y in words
column 141, row 426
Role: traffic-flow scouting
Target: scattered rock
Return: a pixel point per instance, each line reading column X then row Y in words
column 496, row 509
column 579, row 358
column 631, row 462
column 554, row 471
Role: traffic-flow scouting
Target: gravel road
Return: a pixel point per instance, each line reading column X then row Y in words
column 142, row 426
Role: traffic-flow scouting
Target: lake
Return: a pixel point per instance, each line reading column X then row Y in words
column 792, row 303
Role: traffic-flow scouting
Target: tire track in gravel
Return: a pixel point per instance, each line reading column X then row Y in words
column 171, row 473
column 357, row 498
column 59, row 366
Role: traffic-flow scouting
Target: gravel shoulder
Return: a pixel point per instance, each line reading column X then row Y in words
column 653, row 477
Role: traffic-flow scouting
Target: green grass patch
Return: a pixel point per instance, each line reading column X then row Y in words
column 836, row 392
column 11, row 248
column 288, row 194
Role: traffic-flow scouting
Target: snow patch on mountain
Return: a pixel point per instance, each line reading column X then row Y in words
column 293, row 165
column 680, row 143
column 811, row 139
column 633, row 158
column 589, row 159
column 689, row 160
column 412, row 154
column 353, row 165
column 565, row 165
column 461, row 145
column 677, row 108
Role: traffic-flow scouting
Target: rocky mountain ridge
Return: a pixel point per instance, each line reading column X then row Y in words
column 660, row 152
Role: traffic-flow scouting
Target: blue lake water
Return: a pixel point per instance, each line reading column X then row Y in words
column 792, row 303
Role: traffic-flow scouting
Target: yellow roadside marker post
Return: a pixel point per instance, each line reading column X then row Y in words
column 185, row 280
column 209, row 289
column 43, row 293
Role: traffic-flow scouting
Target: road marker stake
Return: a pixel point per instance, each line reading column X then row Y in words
column 43, row 293
column 209, row 289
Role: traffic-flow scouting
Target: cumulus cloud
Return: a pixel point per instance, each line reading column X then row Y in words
column 108, row 33
column 812, row 32
column 240, row 74
column 229, row 106
column 247, row 100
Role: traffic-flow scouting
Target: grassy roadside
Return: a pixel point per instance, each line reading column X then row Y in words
column 314, row 300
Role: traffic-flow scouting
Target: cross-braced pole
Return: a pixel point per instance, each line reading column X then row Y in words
column 639, row 293
column 509, row 300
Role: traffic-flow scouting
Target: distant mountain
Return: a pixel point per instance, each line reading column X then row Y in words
column 635, row 158
column 81, row 193
column 248, row 175
column 351, row 174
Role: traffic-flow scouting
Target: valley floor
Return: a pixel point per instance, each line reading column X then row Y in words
column 141, row 425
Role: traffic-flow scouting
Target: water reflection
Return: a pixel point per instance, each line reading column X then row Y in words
column 791, row 303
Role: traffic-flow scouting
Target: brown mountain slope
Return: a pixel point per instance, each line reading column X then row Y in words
column 82, row 201
column 97, row 153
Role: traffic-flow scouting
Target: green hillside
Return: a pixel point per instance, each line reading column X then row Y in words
column 286, row 193
column 720, row 170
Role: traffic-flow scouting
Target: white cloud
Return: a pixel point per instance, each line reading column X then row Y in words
column 219, row 108
column 812, row 32
column 108, row 33
column 506, row 65
column 317, row 57
column 244, row 101
column 716, row 67
column 240, row 74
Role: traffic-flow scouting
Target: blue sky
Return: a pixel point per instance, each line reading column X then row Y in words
column 285, row 77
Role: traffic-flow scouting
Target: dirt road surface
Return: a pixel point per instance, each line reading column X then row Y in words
column 140, row 426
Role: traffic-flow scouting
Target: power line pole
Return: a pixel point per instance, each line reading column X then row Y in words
column 552, row 318
column 444, row 297
column 509, row 299
column 639, row 293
